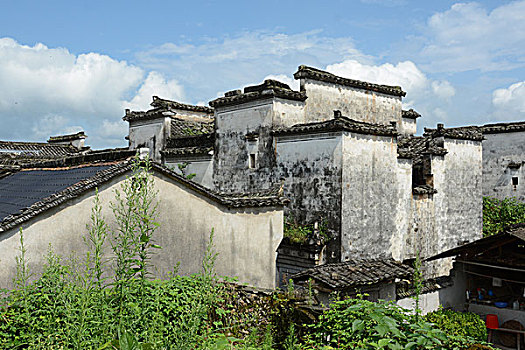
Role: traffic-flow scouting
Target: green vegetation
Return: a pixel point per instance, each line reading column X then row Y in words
column 362, row 324
column 461, row 324
column 497, row 214
column 298, row 233
column 78, row 304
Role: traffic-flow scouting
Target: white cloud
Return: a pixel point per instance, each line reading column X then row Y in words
column 425, row 95
column 443, row 89
column 51, row 91
column 404, row 74
column 509, row 103
column 155, row 85
column 468, row 36
column 219, row 65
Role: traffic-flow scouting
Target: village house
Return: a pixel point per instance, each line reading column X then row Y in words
column 345, row 154
column 51, row 201
column 341, row 151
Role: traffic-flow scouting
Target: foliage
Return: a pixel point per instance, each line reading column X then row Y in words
column 182, row 167
column 81, row 304
column 497, row 214
column 461, row 324
column 362, row 324
column 298, row 233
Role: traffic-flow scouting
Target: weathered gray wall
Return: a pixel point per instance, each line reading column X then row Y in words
column 408, row 126
column 458, row 202
column 368, row 106
column 230, row 169
column 370, row 194
column 150, row 134
column 246, row 239
column 310, row 166
column 500, row 150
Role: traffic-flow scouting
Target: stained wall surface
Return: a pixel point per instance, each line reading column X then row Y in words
column 370, row 194
column 503, row 159
column 368, row 106
column 245, row 239
column 458, row 202
column 150, row 134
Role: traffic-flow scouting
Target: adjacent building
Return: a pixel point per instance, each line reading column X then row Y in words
column 344, row 153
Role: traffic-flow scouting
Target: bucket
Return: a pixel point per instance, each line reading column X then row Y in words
column 492, row 321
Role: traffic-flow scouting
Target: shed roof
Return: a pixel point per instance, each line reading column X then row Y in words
column 355, row 273
column 482, row 247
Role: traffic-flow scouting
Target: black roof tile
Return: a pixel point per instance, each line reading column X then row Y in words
column 29, row 192
column 339, row 123
column 268, row 89
column 317, row 74
column 353, row 273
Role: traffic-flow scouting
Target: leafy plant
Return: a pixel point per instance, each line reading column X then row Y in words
column 298, row 233
column 497, row 214
column 463, row 324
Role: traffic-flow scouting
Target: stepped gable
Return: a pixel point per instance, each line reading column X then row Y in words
column 474, row 133
column 338, row 123
column 353, row 273
column 305, row 72
column 268, row 89
column 410, row 114
column 166, row 108
column 30, row 192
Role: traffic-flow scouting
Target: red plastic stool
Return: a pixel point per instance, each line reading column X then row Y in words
column 491, row 322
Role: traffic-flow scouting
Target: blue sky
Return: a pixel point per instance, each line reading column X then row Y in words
column 67, row 66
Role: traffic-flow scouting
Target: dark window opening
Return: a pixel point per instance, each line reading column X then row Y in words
column 252, row 161
column 514, row 181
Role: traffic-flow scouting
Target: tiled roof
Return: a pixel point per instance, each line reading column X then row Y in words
column 145, row 115
column 424, row 189
column 427, row 286
column 411, row 114
column 195, row 150
column 69, row 137
column 168, row 104
column 355, row 273
column 30, row 192
column 414, row 147
column 473, row 133
column 339, row 123
column 317, row 74
column 268, row 89
column 182, row 127
column 13, row 154
column 204, row 140
column 503, row 127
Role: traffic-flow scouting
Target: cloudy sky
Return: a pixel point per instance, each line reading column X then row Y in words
column 73, row 65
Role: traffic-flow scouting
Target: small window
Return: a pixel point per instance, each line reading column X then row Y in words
column 514, row 181
column 252, row 161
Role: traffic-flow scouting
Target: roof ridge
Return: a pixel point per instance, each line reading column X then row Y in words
column 339, row 123
column 321, row 75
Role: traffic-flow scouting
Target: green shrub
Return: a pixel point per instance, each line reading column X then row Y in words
column 362, row 324
column 497, row 214
column 461, row 324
